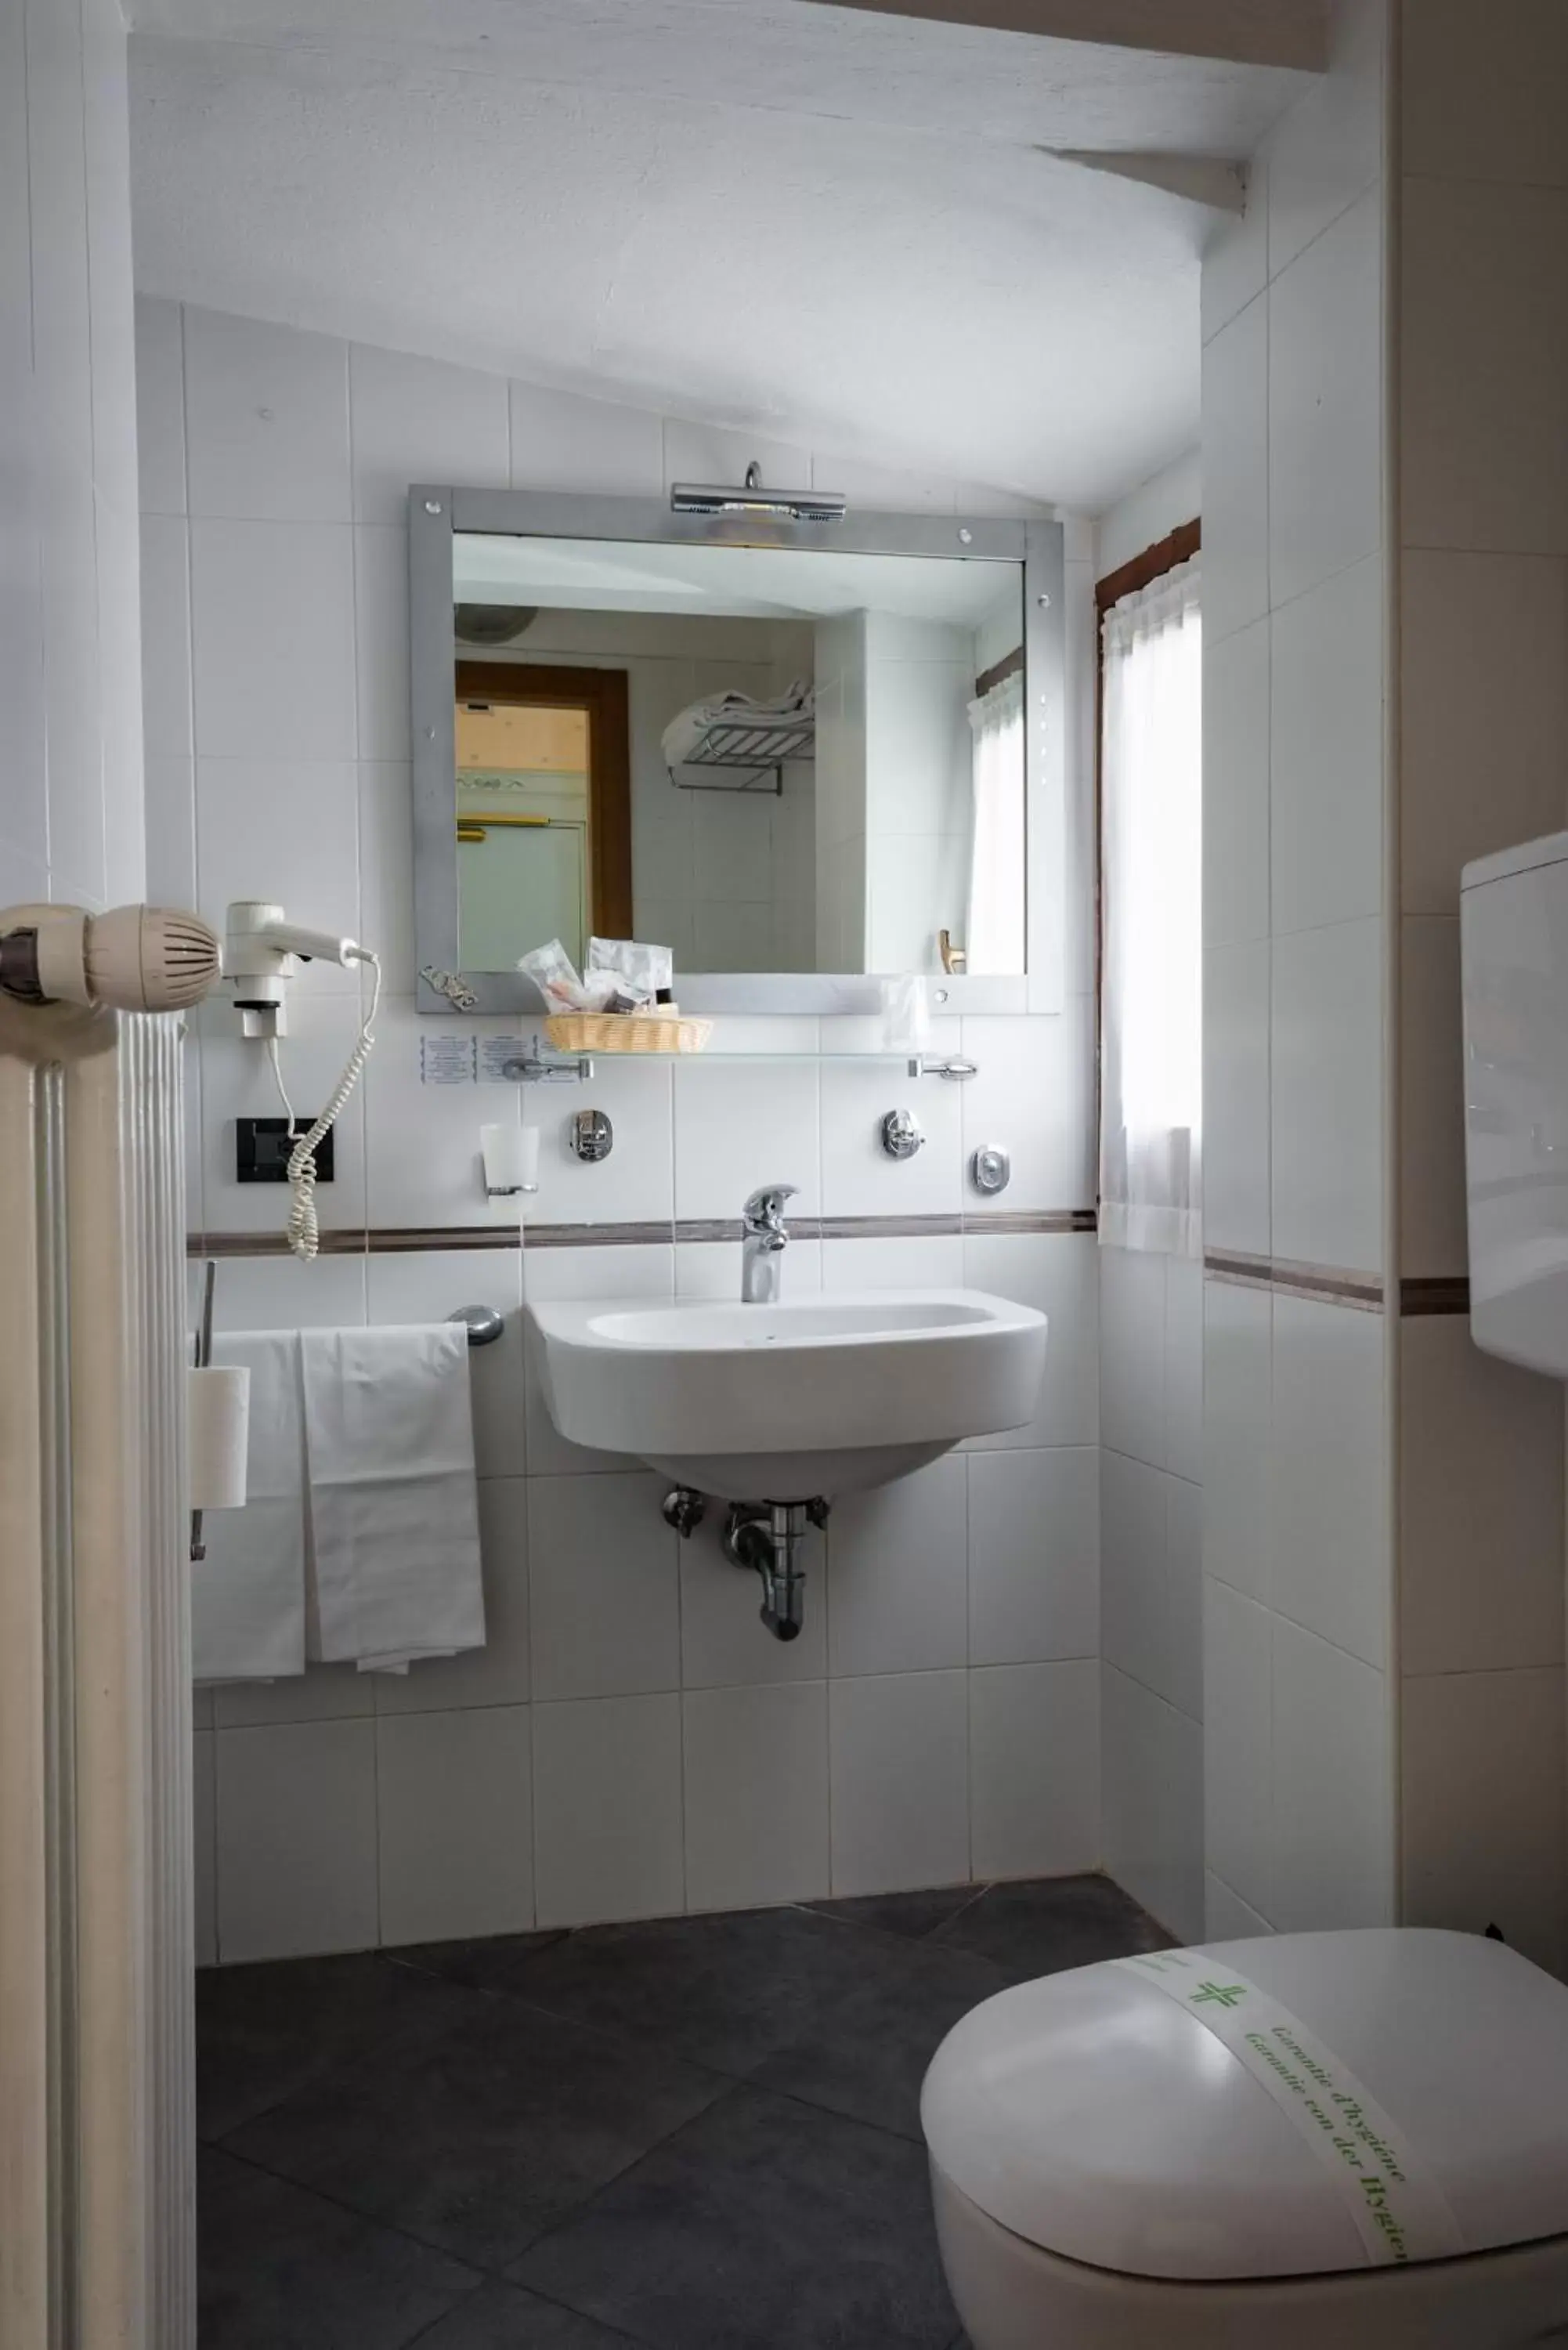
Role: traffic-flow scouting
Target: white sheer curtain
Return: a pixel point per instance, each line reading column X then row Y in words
column 1151, row 883
column 994, row 939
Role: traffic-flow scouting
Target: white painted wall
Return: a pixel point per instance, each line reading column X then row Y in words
column 618, row 1748
column 70, row 678
column 1149, row 513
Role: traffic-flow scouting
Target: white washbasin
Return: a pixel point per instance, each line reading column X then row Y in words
column 810, row 1396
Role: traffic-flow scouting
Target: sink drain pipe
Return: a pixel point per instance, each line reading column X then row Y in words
column 766, row 1538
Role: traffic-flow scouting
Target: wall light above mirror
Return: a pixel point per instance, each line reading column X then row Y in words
column 801, row 753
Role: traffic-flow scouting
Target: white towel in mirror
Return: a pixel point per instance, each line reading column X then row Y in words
column 394, row 1504
column 247, row 1595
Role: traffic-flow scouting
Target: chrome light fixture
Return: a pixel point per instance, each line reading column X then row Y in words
column 789, row 505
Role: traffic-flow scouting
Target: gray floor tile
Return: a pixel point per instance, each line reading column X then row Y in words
column 499, row 1963
column 913, row 1914
column 283, row 2270
column 505, row 2317
column 762, row 2225
column 720, row 1991
column 264, row 2033
column 1040, row 1928
column 478, row 2140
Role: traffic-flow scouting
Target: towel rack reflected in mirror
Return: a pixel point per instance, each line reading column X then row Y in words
column 484, row 1323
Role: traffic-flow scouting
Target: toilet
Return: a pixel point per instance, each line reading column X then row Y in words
column 1355, row 2139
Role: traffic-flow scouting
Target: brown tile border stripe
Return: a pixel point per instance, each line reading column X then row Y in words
column 1435, row 1294
column 402, row 1240
column 1325, row 1285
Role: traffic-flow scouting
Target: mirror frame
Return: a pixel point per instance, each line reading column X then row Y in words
column 437, row 512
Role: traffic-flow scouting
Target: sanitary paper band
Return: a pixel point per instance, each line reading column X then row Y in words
column 1398, row 2208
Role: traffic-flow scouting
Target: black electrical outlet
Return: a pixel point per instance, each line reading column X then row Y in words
column 262, row 1145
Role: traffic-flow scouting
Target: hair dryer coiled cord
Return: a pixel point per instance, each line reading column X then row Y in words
column 303, row 1232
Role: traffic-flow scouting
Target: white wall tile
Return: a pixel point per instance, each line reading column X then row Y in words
column 1226, row 1917
column 387, row 862
column 636, row 1184
column 858, row 1178
column 1183, row 1453
column 237, row 1082
column 756, row 1795
column 898, row 1573
column 287, row 830
column 203, row 1850
column 1059, row 1273
column 1236, row 1109
column 1326, row 425
column 1327, row 1064
column 420, row 419
column 606, row 1810
column 1034, row 1552
column 1238, row 1741
column 1484, row 711
column 497, row 1674
column 161, row 405
column 604, row 1591
column 1035, row 1094
column 1328, row 146
column 1330, row 1528
column 1238, row 1341
column 884, row 488
column 165, row 641
column 1483, row 1807
column 170, row 805
column 707, row 452
column 283, row 1293
column 1333, row 1787
column 426, row 1166
column 297, row 1840
column 1132, row 1353
column 1236, row 785
column 272, row 637
column 1327, row 760
column 1184, row 1595
column 561, row 442
column 1432, row 1204
column 1152, row 1797
column 1491, row 114
column 724, row 1640
column 382, row 641
column 739, row 1127
column 915, row 1261
column 1236, row 257
column 267, row 420
column 713, row 1268
column 1480, row 1506
column 1134, row 1588
column 454, row 1823
column 1236, row 472
column 900, row 1760
column 1484, row 356
column 1034, row 1750
column 321, row 1694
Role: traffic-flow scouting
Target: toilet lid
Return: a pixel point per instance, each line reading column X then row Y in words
column 1098, row 2113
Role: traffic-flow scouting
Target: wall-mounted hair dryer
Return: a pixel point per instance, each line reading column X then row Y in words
column 262, row 952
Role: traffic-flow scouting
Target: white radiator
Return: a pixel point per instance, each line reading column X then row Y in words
column 96, row 2131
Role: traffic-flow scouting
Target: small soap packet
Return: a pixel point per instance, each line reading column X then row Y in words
column 554, row 975
column 640, row 971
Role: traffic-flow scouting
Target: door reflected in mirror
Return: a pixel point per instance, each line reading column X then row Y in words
column 767, row 759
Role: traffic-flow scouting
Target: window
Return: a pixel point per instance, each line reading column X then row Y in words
column 1151, row 811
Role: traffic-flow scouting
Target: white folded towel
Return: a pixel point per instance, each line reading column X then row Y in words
column 247, row 1595
column 394, row 1506
column 686, row 730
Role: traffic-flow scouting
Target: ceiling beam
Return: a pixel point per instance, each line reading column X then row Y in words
column 1244, row 32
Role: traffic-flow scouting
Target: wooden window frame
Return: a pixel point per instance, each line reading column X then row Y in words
column 602, row 694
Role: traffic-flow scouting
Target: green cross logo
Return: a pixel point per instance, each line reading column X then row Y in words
column 1218, row 1994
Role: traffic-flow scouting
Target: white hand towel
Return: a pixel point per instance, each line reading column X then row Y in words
column 394, row 1505
column 247, row 1595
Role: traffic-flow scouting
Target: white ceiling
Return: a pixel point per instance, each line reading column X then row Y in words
column 776, row 583
column 814, row 224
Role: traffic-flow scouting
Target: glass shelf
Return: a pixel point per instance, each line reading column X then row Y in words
column 535, row 1067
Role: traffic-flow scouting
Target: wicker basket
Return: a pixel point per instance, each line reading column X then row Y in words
column 627, row 1032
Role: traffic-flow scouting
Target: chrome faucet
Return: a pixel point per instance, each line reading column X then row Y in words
column 765, row 1236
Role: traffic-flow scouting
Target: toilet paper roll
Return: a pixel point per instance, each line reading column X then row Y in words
column 218, row 1422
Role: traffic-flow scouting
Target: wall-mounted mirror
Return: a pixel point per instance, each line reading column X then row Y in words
column 799, row 754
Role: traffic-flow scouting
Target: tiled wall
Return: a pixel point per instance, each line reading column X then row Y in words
column 70, row 684
column 1151, row 1521
column 1483, row 608
column 631, row 1741
column 1298, row 1534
